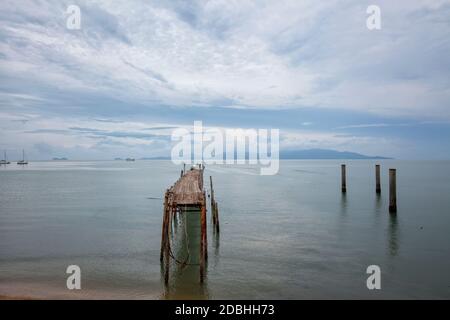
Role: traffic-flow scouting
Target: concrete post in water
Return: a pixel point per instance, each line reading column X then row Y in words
column 377, row 179
column 343, row 179
column 392, row 191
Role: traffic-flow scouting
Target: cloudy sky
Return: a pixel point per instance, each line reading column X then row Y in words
column 138, row 69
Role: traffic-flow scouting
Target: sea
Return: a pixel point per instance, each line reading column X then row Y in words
column 293, row 235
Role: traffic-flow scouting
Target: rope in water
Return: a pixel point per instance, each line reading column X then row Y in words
column 186, row 240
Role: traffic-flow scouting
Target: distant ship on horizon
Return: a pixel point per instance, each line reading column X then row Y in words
column 5, row 159
column 23, row 161
column 129, row 159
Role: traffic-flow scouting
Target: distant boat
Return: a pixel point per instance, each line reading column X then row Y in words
column 5, row 159
column 129, row 159
column 23, row 161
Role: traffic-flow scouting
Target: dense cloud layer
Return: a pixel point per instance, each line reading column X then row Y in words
column 137, row 64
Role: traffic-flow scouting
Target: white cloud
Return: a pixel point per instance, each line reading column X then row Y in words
column 254, row 54
column 233, row 54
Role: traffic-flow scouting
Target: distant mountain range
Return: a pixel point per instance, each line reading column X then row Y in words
column 308, row 154
column 324, row 154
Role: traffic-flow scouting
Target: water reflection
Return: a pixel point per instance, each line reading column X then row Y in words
column 184, row 279
column 393, row 234
column 378, row 203
column 344, row 204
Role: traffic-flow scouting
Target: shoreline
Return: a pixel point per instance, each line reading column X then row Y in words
column 35, row 291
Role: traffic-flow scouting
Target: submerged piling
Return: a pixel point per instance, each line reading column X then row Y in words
column 392, row 191
column 377, row 179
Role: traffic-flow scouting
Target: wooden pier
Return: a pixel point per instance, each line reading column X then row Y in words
column 186, row 193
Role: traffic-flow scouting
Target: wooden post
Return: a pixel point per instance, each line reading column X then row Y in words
column 184, row 167
column 211, row 186
column 203, row 240
column 217, row 217
column 205, row 227
column 213, row 213
column 392, row 191
column 212, row 200
column 343, row 179
column 164, row 228
column 167, row 247
column 377, row 179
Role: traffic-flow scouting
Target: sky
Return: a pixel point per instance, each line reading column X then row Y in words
column 138, row 69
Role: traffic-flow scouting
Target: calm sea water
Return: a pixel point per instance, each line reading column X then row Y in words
column 289, row 236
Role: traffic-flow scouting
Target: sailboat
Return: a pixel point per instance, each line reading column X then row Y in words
column 5, row 160
column 23, row 161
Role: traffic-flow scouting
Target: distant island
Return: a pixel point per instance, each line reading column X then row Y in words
column 60, row 159
column 311, row 154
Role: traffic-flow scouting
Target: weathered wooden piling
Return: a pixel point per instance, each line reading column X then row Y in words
column 164, row 227
column 212, row 200
column 214, row 207
column 343, row 179
column 203, row 242
column 167, row 247
column 165, row 241
column 377, row 179
column 392, row 191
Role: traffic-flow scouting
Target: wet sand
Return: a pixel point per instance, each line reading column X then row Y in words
column 33, row 291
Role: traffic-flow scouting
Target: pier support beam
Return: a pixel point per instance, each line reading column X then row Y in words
column 214, row 208
column 164, row 227
column 165, row 245
column 392, row 191
column 203, row 240
column 377, row 179
column 343, row 179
